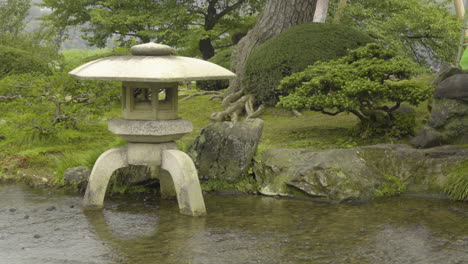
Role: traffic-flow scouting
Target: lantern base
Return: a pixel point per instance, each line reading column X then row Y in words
column 150, row 131
column 183, row 174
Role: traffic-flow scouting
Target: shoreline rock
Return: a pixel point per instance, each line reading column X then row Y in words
column 355, row 173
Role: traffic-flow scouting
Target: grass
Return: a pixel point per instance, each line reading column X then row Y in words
column 464, row 60
column 456, row 186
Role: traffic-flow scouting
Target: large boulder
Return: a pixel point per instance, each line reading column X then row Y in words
column 76, row 175
column 448, row 123
column 225, row 150
column 355, row 173
column 454, row 87
column 446, row 70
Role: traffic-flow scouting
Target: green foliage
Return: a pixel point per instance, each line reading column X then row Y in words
column 392, row 186
column 403, row 124
column 223, row 59
column 12, row 16
column 73, row 158
column 425, row 30
column 180, row 23
column 292, row 51
column 75, row 58
column 16, row 61
column 456, row 186
column 363, row 83
column 464, row 60
column 44, row 104
column 13, row 21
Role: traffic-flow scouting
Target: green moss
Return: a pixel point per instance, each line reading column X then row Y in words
column 390, row 187
column 292, row 51
column 456, row 186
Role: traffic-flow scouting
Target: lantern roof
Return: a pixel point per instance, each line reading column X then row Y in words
column 151, row 62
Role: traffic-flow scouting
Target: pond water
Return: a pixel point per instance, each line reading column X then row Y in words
column 46, row 226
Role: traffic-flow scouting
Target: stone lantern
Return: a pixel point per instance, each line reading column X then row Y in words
column 150, row 123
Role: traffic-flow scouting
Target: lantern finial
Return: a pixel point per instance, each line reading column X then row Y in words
column 151, row 49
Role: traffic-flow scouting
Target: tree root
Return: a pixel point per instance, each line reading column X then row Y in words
column 216, row 93
column 234, row 105
column 296, row 113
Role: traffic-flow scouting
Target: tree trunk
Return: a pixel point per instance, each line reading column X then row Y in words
column 277, row 16
column 459, row 8
column 339, row 11
column 320, row 15
column 206, row 48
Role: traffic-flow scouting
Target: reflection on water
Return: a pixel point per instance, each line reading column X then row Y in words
column 237, row 229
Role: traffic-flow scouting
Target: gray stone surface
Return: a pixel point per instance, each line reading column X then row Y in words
column 151, row 68
column 225, row 150
column 446, row 70
column 76, row 175
column 185, row 182
column 179, row 165
column 454, row 87
column 151, row 49
column 448, row 122
column 149, row 131
column 147, row 154
column 355, row 173
column 427, row 138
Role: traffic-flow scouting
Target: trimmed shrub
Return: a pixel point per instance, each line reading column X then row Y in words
column 15, row 61
column 371, row 82
column 223, row 59
column 292, row 51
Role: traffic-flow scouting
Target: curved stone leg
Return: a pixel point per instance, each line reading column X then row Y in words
column 105, row 165
column 186, row 183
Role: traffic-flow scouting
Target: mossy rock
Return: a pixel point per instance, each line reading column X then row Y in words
column 362, row 173
column 223, row 59
column 292, row 51
column 16, row 61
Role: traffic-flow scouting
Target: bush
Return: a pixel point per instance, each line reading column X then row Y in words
column 292, row 51
column 223, row 59
column 371, row 82
column 456, row 186
column 16, row 61
column 403, row 124
column 43, row 105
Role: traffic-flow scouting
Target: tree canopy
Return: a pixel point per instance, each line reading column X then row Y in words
column 425, row 29
column 206, row 24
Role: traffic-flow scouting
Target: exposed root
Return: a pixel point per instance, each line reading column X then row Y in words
column 216, row 98
column 296, row 113
column 216, row 93
column 234, row 105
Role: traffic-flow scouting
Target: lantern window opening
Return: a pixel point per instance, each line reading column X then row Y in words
column 162, row 96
